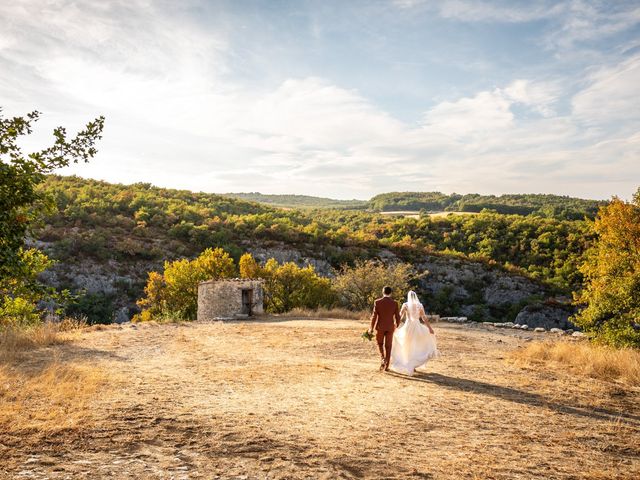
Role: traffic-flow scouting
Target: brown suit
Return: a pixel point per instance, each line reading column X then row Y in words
column 385, row 318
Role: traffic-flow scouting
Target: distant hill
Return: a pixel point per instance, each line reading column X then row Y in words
column 299, row 201
column 542, row 205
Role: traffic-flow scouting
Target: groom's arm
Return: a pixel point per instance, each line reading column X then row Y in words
column 374, row 318
column 396, row 314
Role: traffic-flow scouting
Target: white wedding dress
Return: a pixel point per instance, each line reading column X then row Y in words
column 413, row 344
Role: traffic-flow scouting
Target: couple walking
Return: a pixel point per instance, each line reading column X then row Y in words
column 404, row 346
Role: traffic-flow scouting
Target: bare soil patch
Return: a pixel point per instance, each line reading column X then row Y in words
column 303, row 399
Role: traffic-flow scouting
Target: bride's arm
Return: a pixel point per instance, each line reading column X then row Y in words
column 403, row 311
column 423, row 315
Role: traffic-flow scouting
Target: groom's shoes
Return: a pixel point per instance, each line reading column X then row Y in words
column 383, row 365
column 386, row 367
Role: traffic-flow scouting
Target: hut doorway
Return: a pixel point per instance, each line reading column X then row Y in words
column 247, row 301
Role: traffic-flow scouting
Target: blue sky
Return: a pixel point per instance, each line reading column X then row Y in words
column 335, row 98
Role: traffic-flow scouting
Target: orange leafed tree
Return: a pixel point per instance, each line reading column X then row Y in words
column 611, row 295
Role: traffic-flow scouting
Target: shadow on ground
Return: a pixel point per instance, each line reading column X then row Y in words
column 517, row 396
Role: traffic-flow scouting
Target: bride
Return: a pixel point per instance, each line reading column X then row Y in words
column 413, row 343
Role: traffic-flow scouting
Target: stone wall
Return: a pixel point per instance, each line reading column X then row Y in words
column 219, row 299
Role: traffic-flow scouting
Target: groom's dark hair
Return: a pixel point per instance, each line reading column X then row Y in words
column 387, row 290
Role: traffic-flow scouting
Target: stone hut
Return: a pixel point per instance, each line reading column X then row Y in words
column 230, row 298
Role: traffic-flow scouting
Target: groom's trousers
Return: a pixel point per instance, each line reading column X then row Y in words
column 384, row 339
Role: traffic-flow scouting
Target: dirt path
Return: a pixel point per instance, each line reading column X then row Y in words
column 303, row 399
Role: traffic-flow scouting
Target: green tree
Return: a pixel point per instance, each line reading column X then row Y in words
column 20, row 201
column 611, row 294
column 358, row 286
column 21, row 291
column 22, row 204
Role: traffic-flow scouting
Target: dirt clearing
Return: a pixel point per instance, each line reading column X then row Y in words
column 303, row 399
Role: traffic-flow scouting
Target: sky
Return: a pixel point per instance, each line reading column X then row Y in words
column 333, row 98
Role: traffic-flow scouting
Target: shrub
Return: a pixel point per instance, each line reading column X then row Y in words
column 21, row 292
column 18, row 312
column 95, row 307
column 442, row 302
column 358, row 286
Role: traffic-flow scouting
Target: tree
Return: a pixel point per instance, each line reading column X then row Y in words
column 611, row 294
column 296, row 287
column 174, row 294
column 22, row 203
column 358, row 286
column 22, row 290
column 248, row 266
column 288, row 286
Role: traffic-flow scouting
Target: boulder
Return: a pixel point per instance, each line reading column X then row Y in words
column 539, row 329
column 548, row 315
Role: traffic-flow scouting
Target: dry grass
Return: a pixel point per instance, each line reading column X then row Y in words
column 327, row 313
column 14, row 340
column 38, row 393
column 44, row 402
column 596, row 361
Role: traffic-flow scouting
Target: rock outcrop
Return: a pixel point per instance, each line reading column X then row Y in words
column 474, row 289
column 451, row 286
column 547, row 315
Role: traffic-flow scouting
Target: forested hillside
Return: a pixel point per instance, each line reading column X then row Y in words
column 551, row 206
column 540, row 205
column 132, row 229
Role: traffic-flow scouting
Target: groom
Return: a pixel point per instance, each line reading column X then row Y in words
column 384, row 319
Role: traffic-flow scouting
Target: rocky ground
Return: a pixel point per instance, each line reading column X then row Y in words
column 303, row 399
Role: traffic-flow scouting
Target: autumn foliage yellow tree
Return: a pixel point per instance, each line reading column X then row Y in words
column 288, row 286
column 611, row 295
column 174, row 293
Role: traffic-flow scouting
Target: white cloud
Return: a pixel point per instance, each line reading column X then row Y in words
column 613, row 93
column 490, row 112
column 318, row 114
column 585, row 21
column 540, row 96
column 479, row 116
